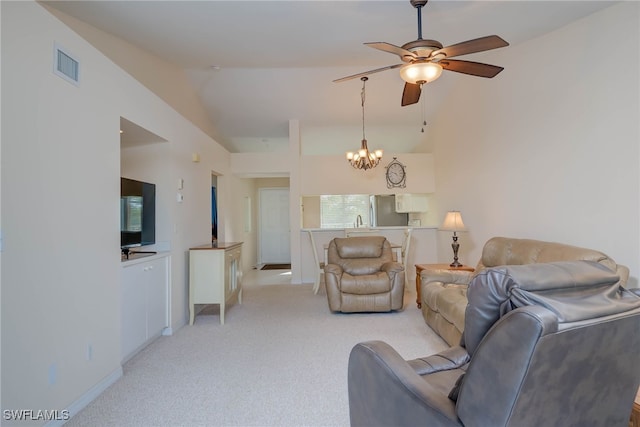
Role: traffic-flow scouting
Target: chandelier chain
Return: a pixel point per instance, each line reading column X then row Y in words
column 362, row 96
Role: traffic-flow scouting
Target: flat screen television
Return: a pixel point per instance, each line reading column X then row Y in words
column 137, row 213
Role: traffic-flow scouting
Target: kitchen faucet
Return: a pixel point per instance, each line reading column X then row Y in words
column 359, row 221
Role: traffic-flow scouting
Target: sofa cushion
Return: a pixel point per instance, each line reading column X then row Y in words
column 365, row 284
column 448, row 300
column 360, row 247
column 361, row 266
column 506, row 251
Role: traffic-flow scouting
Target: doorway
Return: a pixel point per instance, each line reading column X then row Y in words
column 274, row 230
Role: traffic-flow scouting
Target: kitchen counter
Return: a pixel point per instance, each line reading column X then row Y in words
column 381, row 228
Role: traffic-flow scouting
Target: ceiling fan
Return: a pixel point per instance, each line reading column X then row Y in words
column 424, row 59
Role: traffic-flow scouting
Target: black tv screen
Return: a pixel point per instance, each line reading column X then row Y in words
column 137, row 213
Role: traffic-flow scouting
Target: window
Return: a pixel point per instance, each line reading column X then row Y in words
column 131, row 213
column 341, row 211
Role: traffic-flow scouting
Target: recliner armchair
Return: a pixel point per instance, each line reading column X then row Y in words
column 361, row 276
column 550, row 344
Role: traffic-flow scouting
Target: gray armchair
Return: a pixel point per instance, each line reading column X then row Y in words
column 361, row 276
column 553, row 344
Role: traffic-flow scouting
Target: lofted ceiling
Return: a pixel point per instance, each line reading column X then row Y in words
column 257, row 64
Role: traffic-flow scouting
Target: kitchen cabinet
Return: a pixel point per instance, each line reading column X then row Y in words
column 144, row 302
column 412, row 203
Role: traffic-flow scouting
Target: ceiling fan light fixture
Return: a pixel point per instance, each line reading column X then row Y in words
column 420, row 72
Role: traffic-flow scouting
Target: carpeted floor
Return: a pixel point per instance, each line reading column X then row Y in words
column 280, row 359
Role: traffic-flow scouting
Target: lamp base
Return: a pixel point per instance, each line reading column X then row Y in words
column 455, row 246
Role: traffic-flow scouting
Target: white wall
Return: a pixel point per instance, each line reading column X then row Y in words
column 549, row 148
column 327, row 140
column 333, row 175
column 60, row 208
column 60, row 279
column 260, row 164
column 147, row 68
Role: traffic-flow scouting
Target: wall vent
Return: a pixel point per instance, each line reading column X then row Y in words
column 65, row 65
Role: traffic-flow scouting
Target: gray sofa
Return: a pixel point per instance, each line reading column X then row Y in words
column 550, row 344
column 444, row 292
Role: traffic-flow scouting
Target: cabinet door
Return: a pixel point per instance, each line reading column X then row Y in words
column 411, row 203
column 134, row 314
column 402, row 203
column 229, row 271
column 206, row 276
column 155, row 273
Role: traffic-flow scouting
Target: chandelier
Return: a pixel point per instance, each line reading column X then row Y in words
column 363, row 158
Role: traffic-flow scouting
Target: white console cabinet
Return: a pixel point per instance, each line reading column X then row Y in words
column 145, row 301
column 215, row 276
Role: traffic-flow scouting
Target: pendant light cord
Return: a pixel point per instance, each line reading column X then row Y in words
column 362, row 95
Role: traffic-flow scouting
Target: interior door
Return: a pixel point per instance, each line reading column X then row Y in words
column 274, row 226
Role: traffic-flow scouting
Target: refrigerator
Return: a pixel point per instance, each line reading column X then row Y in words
column 382, row 210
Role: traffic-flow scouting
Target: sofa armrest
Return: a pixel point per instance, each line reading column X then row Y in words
column 454, row 277
column 623, row 272
column 392, row 267
column 385, row 390
column 512, row 340
column 451, row 358
column 333, row 268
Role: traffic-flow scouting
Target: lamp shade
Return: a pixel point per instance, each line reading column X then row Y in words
column 453, row 222
column 420, row 72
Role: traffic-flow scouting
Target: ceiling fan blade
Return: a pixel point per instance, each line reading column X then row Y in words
column 472, row 46
column 391, row 48
column 410, row 94
column 470, row 67
column 366, row 73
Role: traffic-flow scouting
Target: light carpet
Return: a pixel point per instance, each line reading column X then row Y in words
column 280, row 359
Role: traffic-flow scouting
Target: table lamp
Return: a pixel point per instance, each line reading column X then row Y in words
column 453, row 222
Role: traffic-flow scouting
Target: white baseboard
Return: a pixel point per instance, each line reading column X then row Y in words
column 89, row 396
